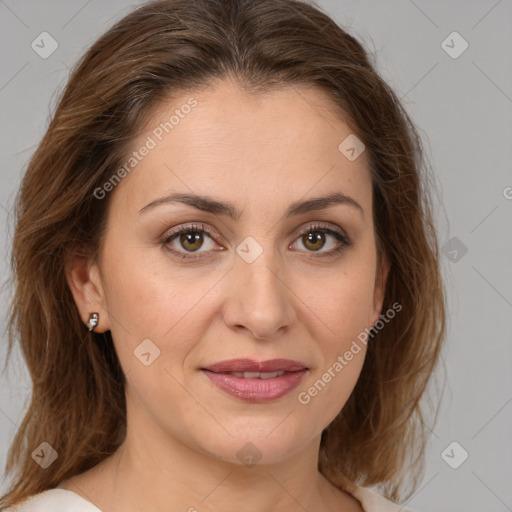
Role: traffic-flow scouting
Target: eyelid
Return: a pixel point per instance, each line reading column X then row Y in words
column 195, row 226
column 323, row 225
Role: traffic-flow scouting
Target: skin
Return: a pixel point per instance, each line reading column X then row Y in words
column 261, row 154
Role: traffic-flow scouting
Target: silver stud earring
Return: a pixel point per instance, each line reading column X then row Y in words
column 93, row 321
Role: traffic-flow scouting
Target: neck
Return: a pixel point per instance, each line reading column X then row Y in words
column 191, row 481
column 143, row 475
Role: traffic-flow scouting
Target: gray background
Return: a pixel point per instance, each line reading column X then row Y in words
column 463, row 107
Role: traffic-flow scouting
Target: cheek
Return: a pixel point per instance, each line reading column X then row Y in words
column 342, row 346
column 138, row 291
column 341, row 300
column 325, row 394
column 151, row 298
column 340, row 305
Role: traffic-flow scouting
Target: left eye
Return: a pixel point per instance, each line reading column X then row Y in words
column 314, row 238
column 192, row 238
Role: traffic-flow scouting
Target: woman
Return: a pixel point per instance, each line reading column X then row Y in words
column 227, row 287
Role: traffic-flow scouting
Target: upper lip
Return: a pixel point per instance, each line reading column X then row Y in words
column 250, row 365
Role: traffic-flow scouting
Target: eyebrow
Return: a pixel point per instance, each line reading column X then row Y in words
column 207, row 204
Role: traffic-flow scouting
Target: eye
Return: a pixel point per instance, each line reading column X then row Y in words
column 186, row 242
column 315, row 238
column 190, row 238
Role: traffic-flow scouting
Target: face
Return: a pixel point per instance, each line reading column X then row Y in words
column 183, row 287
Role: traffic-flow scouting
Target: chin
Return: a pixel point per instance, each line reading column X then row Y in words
column 266, row 442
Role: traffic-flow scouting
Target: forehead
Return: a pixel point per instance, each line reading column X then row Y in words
column 277, row 146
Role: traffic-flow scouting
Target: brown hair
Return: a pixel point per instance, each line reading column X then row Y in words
column 77, row 402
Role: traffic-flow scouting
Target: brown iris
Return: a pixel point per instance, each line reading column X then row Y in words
column 312, row 238
column 195, row 238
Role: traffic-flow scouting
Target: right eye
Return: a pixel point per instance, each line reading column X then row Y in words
column 189, row 240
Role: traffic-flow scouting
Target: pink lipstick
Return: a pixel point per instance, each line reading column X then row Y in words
column 256, row 381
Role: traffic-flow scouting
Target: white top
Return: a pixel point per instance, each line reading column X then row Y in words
column 63, row 500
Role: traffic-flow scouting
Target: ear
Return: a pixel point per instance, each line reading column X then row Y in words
column 380, row 288
column 84, row 280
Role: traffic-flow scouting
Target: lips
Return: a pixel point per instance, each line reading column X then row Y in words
column 252, row 366
column 256, row 381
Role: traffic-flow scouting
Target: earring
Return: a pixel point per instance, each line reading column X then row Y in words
column 93, row 321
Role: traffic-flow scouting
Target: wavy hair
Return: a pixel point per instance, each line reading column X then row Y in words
column 77, row 404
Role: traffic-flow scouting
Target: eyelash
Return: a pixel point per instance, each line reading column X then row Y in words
column 195, row 228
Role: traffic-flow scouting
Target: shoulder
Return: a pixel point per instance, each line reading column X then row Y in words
column 371, row 501
column 54, row 500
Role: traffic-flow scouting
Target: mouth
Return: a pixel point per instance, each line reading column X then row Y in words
column 253, row 375
column 254, row 381
column 239, row 366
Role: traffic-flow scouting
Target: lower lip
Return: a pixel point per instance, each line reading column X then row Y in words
column 256, row 390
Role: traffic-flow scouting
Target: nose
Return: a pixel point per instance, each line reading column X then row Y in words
column 258, row 298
